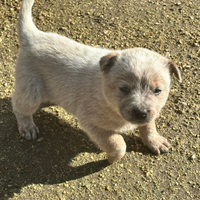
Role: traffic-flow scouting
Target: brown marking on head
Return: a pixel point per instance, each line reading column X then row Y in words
column 174, row 70
column 106, row 62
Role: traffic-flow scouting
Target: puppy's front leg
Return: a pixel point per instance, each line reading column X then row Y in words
column 152, row 139
column 109, row 141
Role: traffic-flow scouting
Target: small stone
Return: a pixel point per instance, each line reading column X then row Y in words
column 107, row 188
column 40, row 139
column 66, row 185
column 192, row 157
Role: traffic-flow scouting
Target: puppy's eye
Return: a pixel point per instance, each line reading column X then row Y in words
column 157, row 91
column 124, row 89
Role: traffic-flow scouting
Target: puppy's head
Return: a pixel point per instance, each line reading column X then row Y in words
column 136, row 83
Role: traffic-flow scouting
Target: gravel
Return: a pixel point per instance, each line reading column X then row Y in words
column 63, row 163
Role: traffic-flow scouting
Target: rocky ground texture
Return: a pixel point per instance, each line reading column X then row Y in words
column 62, row 163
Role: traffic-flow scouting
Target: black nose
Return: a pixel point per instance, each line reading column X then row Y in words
column 140, row 114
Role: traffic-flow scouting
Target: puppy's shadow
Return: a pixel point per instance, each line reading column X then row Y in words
column 48, row 159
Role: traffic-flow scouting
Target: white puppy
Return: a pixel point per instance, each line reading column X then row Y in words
column 106, row 90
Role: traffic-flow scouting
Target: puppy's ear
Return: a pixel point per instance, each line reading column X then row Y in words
column 174, row 70
column 106, row 62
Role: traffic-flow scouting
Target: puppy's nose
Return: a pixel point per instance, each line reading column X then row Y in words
column 140, row 114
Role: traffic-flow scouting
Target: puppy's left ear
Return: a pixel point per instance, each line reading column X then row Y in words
column 106, row 62
column 174, row 70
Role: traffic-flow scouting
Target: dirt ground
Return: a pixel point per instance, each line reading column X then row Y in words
column 62, row 163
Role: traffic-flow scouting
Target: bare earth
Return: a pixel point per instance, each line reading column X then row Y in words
column 62, row 163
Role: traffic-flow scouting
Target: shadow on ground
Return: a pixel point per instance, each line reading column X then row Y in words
column 48, row 159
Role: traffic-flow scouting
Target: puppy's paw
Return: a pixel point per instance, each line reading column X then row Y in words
column 157, row 144
column 28, row 132
column 116, row 148
column 116, row 156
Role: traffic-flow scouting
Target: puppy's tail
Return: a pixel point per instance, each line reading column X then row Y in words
column 26, row 27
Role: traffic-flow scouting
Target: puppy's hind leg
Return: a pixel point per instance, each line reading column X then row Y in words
column 25, row 101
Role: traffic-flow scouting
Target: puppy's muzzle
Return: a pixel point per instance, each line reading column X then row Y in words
column 139, row 114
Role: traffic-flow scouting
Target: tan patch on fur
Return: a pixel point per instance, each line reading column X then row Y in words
column 107, row 61
column 174, row 70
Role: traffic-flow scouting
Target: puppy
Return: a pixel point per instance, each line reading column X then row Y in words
column 108, row 91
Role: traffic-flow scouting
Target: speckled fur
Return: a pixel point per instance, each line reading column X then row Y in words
column 87, row 82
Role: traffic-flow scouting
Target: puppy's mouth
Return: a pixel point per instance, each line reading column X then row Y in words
column 140, row 122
